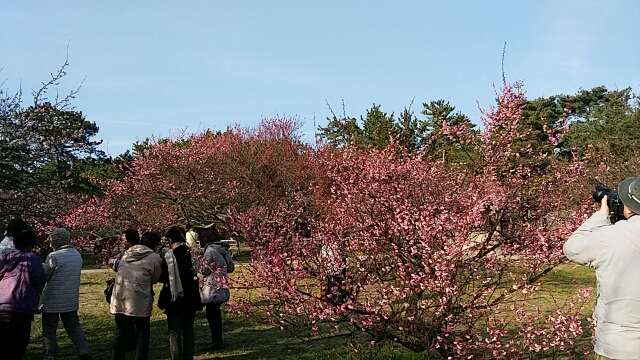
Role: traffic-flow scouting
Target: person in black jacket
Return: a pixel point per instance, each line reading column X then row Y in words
column 182, row 294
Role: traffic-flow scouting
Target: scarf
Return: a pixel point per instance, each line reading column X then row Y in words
column 175, row 285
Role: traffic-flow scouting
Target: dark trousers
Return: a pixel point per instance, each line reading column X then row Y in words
column 214, row 318
column 335, row 291
column 14, row 339
column 71, row 323
column 127, row 326
column 181, row 336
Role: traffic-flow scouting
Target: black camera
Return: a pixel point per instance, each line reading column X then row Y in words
column 613, row 201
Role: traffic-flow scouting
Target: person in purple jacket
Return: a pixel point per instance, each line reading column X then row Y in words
column 22, row 277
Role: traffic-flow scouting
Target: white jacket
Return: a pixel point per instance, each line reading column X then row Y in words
column 614, row 251
column 138, row 270
column 61, row 292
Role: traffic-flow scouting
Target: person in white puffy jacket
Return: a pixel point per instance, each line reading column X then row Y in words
column 60, row 296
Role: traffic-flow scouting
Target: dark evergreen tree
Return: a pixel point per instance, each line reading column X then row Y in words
column 46, row 151
column 434, row 142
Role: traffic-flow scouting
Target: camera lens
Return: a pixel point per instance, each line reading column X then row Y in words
column 600, row 193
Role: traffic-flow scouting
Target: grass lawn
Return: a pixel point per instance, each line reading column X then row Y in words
column 244, row 338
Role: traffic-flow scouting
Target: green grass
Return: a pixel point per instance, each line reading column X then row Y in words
column 247, row 339
column 242, row 255
column 244, row 339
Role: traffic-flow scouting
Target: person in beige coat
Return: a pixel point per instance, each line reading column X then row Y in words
column 132, row 298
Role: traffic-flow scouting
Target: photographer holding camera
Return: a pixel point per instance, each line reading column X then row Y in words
column 612, row 247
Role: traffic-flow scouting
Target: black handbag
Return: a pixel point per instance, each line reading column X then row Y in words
column 108, row 291
column 164, row 299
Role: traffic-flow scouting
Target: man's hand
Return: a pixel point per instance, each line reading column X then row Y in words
column 604, row 206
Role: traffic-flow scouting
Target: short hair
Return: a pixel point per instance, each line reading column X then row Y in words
column 16, row 225
column 24, row 238
column 150, row 239
column 175, row 234
column 207, row 237
column 132, row 236
column 210, row 236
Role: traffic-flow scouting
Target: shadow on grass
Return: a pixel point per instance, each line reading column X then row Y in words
column 243, row 340
column 569, row 277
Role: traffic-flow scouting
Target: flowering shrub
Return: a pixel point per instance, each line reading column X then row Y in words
column 424, row 253
column 200, row 179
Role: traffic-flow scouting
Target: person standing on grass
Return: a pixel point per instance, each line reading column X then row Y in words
column 61, row 295
column 128, row 237
column 214, row 281
column 21, row 279
column 191, row 237
column 180, row 282
column 614, row 251
column 132, row 298
column 6, row 245
column 334, row 262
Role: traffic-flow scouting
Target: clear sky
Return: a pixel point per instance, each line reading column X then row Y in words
column 156, row 67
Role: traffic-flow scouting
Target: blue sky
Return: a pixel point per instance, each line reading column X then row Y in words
column 157, row 67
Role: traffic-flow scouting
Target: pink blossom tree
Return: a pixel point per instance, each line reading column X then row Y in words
column 200, row 179
column 427, row 254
